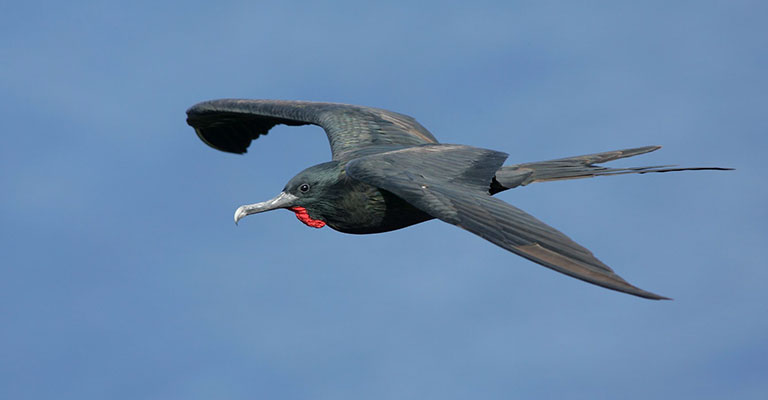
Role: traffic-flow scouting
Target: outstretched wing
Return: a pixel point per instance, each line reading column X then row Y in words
column 230, row 125
column 435, row 179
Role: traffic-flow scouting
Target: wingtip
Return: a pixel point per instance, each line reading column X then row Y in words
column 196, row 108
column 628, row 288
column 636, row 291
column 657, row 297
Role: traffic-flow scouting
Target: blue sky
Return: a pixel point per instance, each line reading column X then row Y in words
column 123, row 276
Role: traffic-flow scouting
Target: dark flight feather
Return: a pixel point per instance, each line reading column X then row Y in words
column 425, row 176
column 230, row 125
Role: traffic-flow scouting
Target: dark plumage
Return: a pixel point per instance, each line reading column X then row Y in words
column 388, row 172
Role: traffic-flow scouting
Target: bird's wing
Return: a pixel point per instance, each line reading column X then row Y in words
column 230, row 125
column 436, row 179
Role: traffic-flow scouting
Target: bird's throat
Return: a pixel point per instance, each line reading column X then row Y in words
column 303, row 216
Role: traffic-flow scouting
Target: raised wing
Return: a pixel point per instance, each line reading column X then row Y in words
column 435, row 180
column 230, row 125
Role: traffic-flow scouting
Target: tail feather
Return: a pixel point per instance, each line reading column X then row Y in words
column 512, row 176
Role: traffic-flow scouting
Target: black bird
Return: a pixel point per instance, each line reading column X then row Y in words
column 388, row 172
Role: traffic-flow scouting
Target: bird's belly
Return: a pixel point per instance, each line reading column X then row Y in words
column 374, row 210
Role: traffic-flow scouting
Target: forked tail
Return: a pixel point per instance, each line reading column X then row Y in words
column 512, row 176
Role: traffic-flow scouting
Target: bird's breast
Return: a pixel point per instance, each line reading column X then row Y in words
column 362, row 209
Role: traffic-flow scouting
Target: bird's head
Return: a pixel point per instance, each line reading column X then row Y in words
column 307, row 194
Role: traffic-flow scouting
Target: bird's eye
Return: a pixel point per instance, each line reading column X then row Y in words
column 304, row 188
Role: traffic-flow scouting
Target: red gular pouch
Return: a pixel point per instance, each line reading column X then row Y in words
column 303, row 216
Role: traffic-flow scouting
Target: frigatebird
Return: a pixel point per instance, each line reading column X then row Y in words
column 388, row 172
